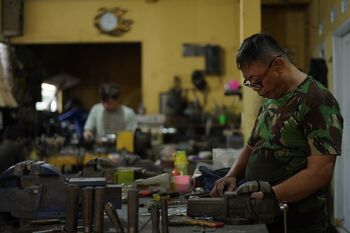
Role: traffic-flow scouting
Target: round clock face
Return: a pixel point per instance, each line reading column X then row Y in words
column 108, row 21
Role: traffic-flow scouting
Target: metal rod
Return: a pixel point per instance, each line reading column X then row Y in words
column 72, row 208
column 154, row 209
column 113, row 216
column 88, row 208
column 284, row 208
column 98, row 210
column 133, row 211
column 165, row 220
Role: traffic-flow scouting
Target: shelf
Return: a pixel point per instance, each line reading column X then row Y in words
column 233, row 93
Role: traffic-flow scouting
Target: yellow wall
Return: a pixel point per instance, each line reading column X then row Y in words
column 161, row 27
column 249, row 25
column 287, row 25
column 319, row 12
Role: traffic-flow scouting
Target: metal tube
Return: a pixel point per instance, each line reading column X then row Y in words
column 88, row 207
column 284, row 208
column 155, row 217
column 98, row 210
column 165, row 220
column 133, row 211
column 72, row 208
column 113, row 216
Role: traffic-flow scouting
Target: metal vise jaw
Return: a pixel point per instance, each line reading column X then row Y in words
column 232, row 209
column 32, row 190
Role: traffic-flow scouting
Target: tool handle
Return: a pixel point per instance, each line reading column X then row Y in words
column 206, row 223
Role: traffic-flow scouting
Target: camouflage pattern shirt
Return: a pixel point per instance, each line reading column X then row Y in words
column 306, row 121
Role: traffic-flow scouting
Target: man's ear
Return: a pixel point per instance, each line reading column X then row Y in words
column 279, row 65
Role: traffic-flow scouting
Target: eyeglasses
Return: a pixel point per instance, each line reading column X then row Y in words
column 258, row 84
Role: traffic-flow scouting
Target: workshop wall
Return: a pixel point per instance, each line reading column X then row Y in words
column 162, row 28
column 320, row 45
column 284, row 22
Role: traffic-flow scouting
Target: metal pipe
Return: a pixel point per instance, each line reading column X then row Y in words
column 72, row 208
column 113, row 216
column 133, row 211
column 165, row 220
column 154, row 209
column 98, row 210
column 284, row 208
column 88, row 207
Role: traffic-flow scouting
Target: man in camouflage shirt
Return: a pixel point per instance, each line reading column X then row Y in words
column 295, row 140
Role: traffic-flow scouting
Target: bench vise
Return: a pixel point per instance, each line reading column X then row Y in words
column 37, row 190
column 32, row 190
column 234, row 209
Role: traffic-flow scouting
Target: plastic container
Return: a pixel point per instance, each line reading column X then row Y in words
column 182, row 184
column 124, row 176
column 181, row 162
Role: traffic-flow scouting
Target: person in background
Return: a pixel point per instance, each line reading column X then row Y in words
column 109, row 116
column 11, row 148
column 295, row 140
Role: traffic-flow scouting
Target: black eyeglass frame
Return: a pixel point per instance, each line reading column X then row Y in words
column 258, row 84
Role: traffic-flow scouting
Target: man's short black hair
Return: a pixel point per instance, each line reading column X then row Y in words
column 259, row 47
column 109, row 91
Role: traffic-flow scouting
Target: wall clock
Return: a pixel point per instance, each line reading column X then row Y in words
column 111, row 21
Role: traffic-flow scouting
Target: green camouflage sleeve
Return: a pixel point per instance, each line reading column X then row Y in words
column 323, row 123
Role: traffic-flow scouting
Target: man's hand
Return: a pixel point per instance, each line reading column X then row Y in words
column 88, row 135
column 226, row 182
column 261, row 202
column 257, row 190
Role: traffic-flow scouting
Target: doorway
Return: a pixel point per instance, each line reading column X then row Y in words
column 341, row 55
column 78, row 70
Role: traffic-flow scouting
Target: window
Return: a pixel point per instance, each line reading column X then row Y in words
column 49, row 99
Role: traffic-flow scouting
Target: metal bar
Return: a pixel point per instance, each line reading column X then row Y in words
column 113, row 216
column 284, row 208
column 133, row 211
column 88, row 207
column 165, row 220
column 155, row 217
column 72, row 208
column 98, row 211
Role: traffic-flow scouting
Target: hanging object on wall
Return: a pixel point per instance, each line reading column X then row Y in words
column 344, row 5
column 11, row 17
column 211, row 54
column 213, row 59
column 198, row 80
column 333, row 14
column 111, row 21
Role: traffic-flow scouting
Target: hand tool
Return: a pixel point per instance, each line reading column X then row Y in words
column 185, row 220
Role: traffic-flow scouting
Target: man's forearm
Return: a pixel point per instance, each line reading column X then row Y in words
column 240, row 164
column 308, row 181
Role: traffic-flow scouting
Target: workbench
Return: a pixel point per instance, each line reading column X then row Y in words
column 146, row 226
